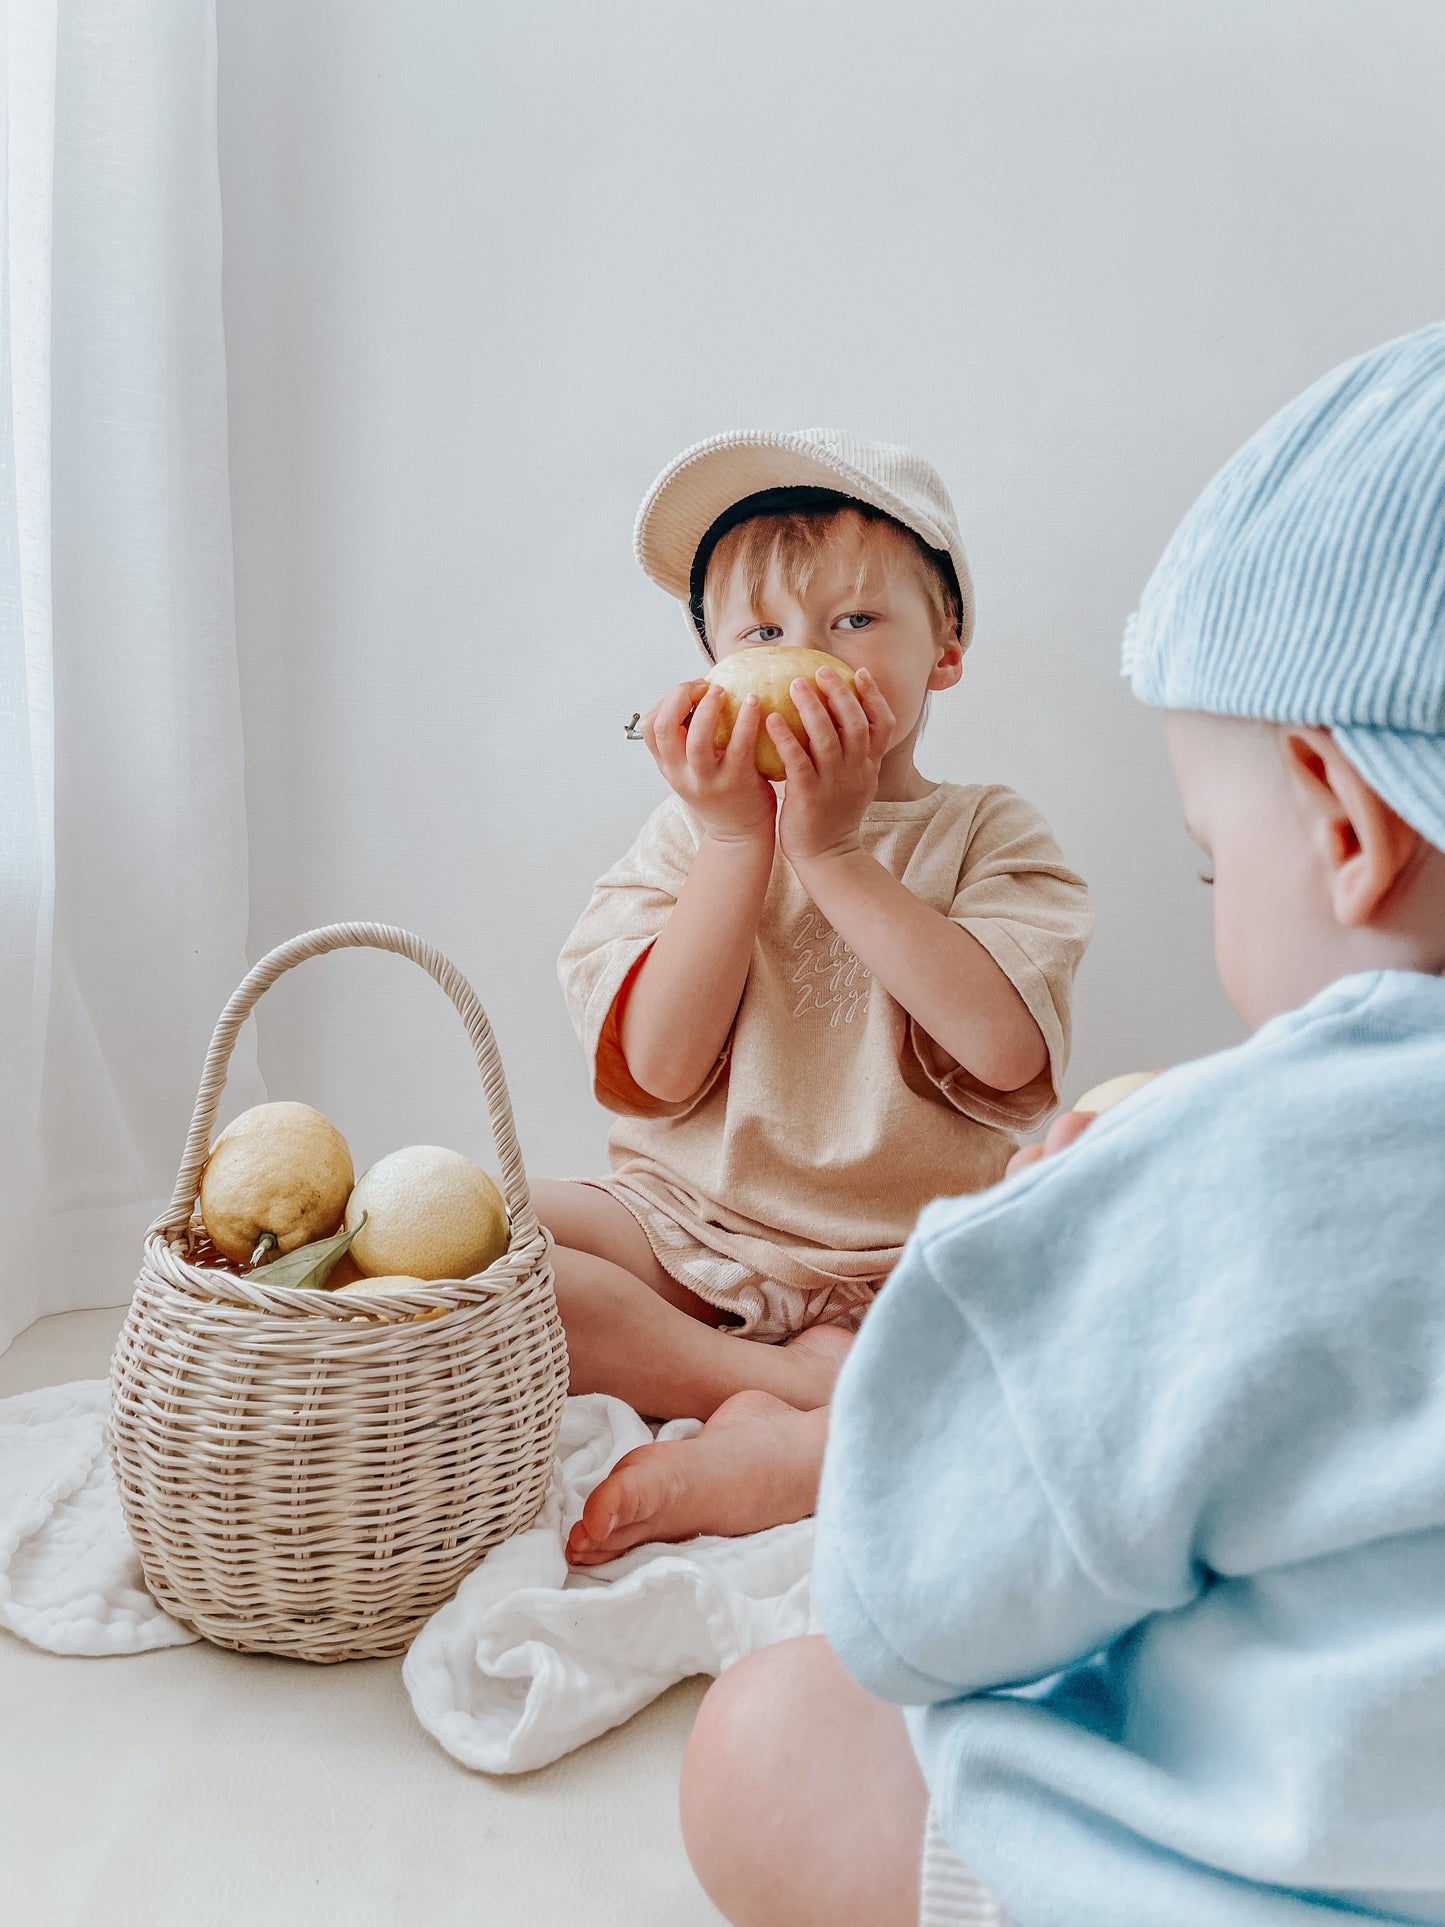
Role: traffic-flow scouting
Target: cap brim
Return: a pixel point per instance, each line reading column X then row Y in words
column 690, row 494
column 687, row 498
column 1407, row 767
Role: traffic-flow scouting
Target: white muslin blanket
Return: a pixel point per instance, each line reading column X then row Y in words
column 529, row 1660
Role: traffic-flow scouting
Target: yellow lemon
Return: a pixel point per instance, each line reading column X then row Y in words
column 430, row 1213
column 393, row 1282
column 385, row 1285
column 278, row 1176
column 1103, row 1097
column 768, row 674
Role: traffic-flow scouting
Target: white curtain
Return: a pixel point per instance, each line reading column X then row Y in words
column 123, row 885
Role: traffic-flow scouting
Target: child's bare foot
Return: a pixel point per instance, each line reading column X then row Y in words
column 814, row 1358
column 756, row 1463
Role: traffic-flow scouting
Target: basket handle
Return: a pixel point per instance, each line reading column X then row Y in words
column 316, row 943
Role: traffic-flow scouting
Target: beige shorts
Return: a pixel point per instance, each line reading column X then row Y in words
column 762, row 1307
column 948, row 1894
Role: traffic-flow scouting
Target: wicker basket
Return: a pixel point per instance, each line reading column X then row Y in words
column 300, row 1482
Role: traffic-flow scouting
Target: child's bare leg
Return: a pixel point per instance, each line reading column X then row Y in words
column 625, row 1339
column 641, row 1336
column 802, row 1803
column 756, row 1463
column 581, row 1217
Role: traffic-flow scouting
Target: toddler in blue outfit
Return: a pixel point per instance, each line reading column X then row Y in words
column 1134, row 1495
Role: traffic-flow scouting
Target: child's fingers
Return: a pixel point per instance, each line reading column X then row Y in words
column 1065, row 1129
column 817, row 720
column 691, row 695
column 670, row 729
column 849, row 716
column 743, row 743
column 647, row 729
column 669, row 718
column 874, row 704
column 795, row 759
column 702, row 750
column 663, row 729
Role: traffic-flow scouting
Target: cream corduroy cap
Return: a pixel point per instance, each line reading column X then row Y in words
column 709, row 478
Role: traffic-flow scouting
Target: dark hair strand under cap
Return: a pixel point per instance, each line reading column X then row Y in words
column 801, row 499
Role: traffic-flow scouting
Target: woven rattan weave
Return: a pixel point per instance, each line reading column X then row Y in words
column 313, row 1474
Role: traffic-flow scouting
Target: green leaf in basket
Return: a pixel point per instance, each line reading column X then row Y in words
column 310, row 1264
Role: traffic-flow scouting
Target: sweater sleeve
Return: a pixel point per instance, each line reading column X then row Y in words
column 941, row 1567
column 1176, row 1351
column 599, row 961
column 1019, row 899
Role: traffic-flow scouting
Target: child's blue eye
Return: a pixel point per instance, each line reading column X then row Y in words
column 766, row 632
column 857, row 620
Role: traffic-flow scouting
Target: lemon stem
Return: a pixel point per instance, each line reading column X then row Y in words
column 266, row 1246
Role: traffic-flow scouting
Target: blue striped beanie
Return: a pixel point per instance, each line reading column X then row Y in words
column 1307, row 583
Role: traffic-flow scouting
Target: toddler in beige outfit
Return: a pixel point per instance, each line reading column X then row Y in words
column 782, row 1191
column 812, row 1008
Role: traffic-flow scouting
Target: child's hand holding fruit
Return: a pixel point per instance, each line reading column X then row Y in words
column 767, row 715
column 1069, row 1125
column 721, row 784
column 832, row 777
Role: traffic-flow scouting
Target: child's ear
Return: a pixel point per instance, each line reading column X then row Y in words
column 949, row 666
column 1364, row 846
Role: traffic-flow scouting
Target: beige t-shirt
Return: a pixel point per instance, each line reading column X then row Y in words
column 830, row 1118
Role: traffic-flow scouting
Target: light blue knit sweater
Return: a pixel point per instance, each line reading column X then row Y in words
column 1159, row 1426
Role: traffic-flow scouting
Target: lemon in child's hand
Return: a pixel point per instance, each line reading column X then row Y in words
column 1103, row 1097
column 768, row 673
column 430, row 1213
column 277, row 1177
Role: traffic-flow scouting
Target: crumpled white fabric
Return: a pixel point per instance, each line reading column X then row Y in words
column 529, row 1660
column 70, row 1581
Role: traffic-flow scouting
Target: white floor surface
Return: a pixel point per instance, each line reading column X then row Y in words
column 202, row 1788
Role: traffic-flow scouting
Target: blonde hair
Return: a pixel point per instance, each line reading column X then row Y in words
column 798, row 542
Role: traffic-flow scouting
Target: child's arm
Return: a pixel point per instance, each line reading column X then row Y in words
column 942, row 976
column 941, row 1564
column 678, row 1009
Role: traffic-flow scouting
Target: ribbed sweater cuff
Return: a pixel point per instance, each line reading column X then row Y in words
column 948, row 1894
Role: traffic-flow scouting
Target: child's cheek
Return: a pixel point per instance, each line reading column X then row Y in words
column 902, row 694
column 910, row 711
column 1228, row 960
column 1256, row 942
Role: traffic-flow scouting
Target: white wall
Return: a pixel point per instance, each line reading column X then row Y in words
column 490, row 266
